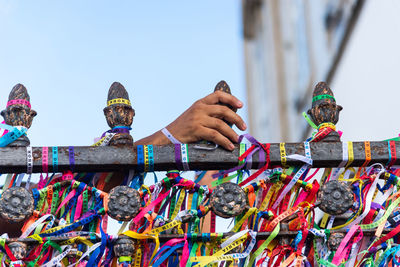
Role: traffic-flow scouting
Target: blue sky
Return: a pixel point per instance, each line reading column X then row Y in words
column 166, row 53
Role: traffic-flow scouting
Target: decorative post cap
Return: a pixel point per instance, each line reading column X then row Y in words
column 19, row 113
column 123, row 203
column 119, row 114
column 228, row 200
column 335, row 197
column 324, row 111
column 18, row 249
column 322, row 93
column 16, row 204
column 334, row 241
column 124, row 246
column 224, row 87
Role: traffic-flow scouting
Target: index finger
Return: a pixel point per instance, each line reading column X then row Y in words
column 222, row 97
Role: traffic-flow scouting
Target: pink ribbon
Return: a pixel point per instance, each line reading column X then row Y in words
column 343, row 247
column 185, row 254
column 157, row 201
column 19, row 102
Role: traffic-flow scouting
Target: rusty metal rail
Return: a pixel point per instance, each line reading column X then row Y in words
column 116, row 159
column 119, row 155
column 167, row 237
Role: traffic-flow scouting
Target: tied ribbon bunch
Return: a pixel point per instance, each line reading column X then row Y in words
column 69, row 222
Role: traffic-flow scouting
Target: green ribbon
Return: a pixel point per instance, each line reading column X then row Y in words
column 264, row 245
column 45, row 246
column 54, row 200
column 223, row 180
column 173, row 200
column 389, row 246
column 308, row 119
column 393, row 139
column 192, row 253
column 85, row 202
column 383, row 218
column 320, row 97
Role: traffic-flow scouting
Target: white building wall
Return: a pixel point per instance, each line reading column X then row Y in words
column 289, row 49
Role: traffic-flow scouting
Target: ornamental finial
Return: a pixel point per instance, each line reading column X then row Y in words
column 224, row 87
column 119, row 114
column 124, row 246
column 19, row 113
column 324, row 111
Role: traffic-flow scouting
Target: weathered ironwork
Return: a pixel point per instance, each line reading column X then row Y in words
column 228, row 200
column 224, row 87
column 165, row 237
column 123, row 203
column 334, row 240
column 16, row 204
column 124, row 247
column 18, row 249
column 325, row 110
column 117, row 159
column 335, row 197
column 119, row 112
column 19, row 113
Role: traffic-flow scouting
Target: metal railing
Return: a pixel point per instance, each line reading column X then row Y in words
column 115, row 152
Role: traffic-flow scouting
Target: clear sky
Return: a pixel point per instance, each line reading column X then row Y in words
column 67, row 53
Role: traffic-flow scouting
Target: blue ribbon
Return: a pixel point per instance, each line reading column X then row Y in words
column 167, row 254
column 73, row 200
column 140, row 158
column 98, row 253
column 55, row 159
column 71, row 227
column 13, row 134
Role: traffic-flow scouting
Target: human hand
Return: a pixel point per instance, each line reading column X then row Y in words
column 204, row 120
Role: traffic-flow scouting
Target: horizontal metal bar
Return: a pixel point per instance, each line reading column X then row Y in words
column 265, row 235
column 117, row 159
column 167, row 237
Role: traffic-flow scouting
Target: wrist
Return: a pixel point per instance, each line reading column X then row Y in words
column 158, row 139
column 170, row 137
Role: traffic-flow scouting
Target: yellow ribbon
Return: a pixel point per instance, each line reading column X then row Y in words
column 268, row 197
column 247, row 215
column 165, row 227
column 204, row 260
column 75, row 240
column 135, row 235
column 283, row 154
column 118, row 101
column 351, row 153
column 178, row 204
column 36, row 237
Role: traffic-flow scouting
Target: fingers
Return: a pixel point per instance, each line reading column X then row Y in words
column 227, row 114
column 222, row 128
column 222, row 97
column 216, row 137
column 208, row 120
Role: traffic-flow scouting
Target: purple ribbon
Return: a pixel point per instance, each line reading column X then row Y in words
column 178, row 159
column 116, row 130
column 71, row 155
column 253, row 141
column 120, row 130
column 376, row 206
